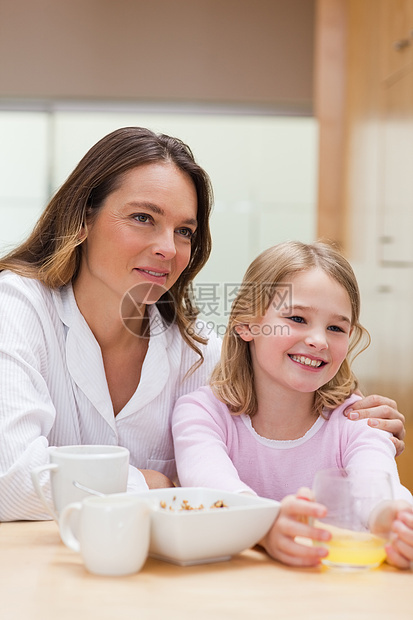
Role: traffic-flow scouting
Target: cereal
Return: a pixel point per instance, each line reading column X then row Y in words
column 219, row 504
column 185, row 505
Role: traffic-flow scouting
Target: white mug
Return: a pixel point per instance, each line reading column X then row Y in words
column 111, row 533
column 101, row 468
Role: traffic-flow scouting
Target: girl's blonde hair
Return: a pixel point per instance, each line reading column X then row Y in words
column 233, row 380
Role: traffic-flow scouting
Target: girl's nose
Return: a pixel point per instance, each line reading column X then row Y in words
column 316, row 339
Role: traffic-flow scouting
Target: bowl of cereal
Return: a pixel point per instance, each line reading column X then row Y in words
column 194, row 525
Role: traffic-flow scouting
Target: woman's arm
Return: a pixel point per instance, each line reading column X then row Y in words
column 27, row 413
column 155, row 479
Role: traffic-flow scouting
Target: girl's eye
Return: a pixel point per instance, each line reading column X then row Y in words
column 336, row 328
column 296, row 319
column 185, row 232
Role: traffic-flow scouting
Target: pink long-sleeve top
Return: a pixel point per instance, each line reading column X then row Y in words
column 216, row 449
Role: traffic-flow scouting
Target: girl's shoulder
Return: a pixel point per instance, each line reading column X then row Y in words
column 204, row 400
column 350, row 430
column 204, row 396
column 338, row 412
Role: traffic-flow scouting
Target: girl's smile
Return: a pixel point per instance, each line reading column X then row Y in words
column 309, row 362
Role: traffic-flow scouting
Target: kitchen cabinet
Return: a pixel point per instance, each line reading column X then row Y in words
column 396, row 34
column 396, row 129
column 396, row 178
column 376, row 181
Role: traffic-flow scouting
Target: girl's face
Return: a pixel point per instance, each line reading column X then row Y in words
column 304, row 336
column 141, row 236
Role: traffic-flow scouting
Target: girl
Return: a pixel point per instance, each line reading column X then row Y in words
column 272, row 415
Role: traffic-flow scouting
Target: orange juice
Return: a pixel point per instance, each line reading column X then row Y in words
column 348, row 549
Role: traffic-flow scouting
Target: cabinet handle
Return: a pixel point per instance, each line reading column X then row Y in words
column 386, row 239
column 401, row 44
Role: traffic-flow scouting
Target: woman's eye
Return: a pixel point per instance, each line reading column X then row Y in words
column 185, row 232
column 296, row 319
column 142, row 217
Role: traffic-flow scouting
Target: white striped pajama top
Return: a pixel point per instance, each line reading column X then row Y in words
column 53, row 391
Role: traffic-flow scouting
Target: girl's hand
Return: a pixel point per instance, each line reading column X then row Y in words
column 294, row 520
column 382, row 413
column 395, row 520
column 400, row 547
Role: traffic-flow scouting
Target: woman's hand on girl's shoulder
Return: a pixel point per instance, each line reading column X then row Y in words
column 382, row 413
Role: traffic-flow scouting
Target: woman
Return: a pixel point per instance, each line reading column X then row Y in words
column 97, row 336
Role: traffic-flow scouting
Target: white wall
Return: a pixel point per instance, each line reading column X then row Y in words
column 23, row 173
column 263, row 170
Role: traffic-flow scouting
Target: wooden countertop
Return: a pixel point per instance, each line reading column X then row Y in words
column 40, row 579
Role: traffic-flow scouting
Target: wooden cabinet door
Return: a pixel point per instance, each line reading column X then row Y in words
column 396, row 172
column 396, row 34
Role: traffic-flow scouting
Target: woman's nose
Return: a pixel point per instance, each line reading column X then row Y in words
column 164, row 244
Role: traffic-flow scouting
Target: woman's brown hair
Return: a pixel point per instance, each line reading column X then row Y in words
column 52, row 253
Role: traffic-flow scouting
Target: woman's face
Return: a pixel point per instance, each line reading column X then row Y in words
column 140, row 239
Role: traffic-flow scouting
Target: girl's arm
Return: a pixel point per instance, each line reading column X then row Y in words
column 201, row 428
column 366, row 447
column 395, row 520
column 363, row 448
column 292, row 535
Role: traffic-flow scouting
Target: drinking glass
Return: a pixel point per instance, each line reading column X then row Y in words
column 350, row 497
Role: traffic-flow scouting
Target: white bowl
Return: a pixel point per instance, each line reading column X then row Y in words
column 188, row 537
